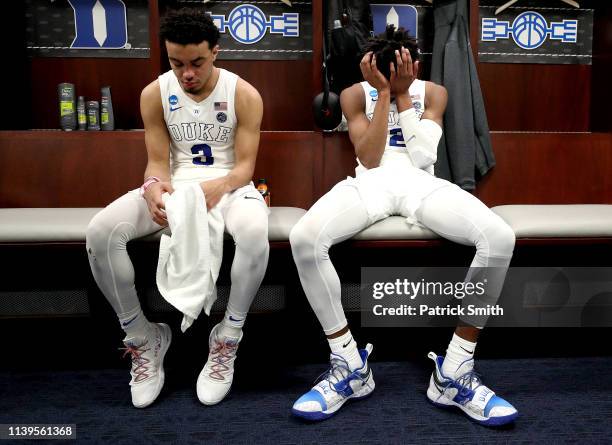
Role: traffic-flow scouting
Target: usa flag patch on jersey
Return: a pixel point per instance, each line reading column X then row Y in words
column 220, row 106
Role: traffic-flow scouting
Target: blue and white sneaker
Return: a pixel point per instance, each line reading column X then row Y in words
column 468, row 393
column 337, row 386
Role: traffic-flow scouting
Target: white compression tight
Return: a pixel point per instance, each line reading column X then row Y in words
column 128, row 217
column 451, row 212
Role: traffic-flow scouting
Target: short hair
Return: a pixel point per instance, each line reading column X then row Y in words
column 384, row 45
column 189, row 26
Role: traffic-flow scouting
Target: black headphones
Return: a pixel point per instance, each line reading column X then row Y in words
column 326, row 105
column 326, row 108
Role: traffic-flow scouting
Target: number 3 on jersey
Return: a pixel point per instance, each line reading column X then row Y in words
column 205, row 151
column 397, row 138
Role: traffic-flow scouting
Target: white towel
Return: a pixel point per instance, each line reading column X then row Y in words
column 190, row 259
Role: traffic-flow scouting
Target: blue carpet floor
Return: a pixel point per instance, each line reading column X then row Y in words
column 559, row 401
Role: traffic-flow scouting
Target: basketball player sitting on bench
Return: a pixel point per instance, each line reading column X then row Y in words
column 201, row 126
column 394, row 122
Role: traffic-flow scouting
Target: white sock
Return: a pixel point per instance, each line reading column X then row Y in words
column 135, row 324
column 232, row 324
column 346, row 347
column 459, row 350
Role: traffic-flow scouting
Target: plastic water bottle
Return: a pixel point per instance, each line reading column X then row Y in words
column 262, row 187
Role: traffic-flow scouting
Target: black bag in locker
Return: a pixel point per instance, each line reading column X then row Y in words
column 349, row 25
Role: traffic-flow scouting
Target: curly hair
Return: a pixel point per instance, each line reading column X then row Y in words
column 189, row 25
column 384, row 45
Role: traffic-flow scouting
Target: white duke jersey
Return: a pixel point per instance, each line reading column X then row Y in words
column 201, row 133
column 395, row 149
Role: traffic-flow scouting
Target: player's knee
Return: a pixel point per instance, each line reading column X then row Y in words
column 96, row 237
column 302, row 241
column 307, row 244
column 296, row 236
column 253, row 238
column 102, row 236
column 501, row 239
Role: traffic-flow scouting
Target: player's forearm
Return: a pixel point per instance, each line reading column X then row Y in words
column 159, row 169
column 421, row 138
column 403, row 102
column 158, row 154
column 239, row 176
column 371, row 146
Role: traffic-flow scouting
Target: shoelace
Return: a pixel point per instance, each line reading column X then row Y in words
column 222, row 353
column 465, row 382
column 469, row 381
column 339, row 370
column 139, row 363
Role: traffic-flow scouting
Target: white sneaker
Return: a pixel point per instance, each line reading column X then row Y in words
column 467, row 393
column 148, row 364
column 215, row 379
column 338, row 385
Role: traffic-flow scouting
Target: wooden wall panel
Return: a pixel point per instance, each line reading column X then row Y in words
column 339, row 160
column 285, row 87
column 530, row 97
column 77, row 169
column 56, row 169
column 549, row 169
column 90, row 169
column 532, row 168
column 287, row 161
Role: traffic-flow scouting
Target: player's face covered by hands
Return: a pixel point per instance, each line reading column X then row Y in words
column 371, row 73
column 403, row 72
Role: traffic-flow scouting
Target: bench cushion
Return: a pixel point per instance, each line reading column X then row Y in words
column 281, row 221
column 558, row 221
column 527, row 221
column 394, row 228
column 42, row 225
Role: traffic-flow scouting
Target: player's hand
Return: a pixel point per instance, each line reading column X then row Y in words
column 153, row 196
column 404, row 75
column 214, row 191
column 371, row 74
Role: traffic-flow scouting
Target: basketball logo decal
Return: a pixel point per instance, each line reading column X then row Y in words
column 529, row 30
column 248, row 24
